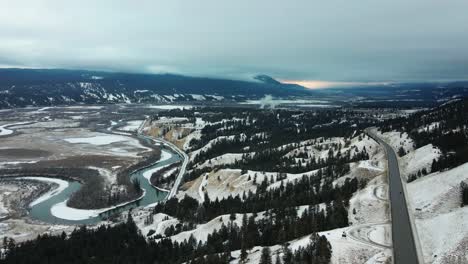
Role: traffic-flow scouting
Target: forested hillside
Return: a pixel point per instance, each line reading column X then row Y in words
column 445, row 126
column 433, row 149
column 263, row 178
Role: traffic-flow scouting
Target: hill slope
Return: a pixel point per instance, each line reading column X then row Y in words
column 26, row 87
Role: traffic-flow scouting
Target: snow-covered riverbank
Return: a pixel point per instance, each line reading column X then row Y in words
column 63, row 211
column 147, row 174
column 61, row 185
column 4, row 131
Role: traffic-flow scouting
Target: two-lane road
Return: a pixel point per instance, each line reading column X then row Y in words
column 404, row 247
column 183, row 167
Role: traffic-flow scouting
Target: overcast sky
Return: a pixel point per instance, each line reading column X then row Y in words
column 339, row 41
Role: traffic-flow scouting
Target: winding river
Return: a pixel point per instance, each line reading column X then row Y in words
column 45, row 208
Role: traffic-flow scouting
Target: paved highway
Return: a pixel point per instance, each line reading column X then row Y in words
column 404, row 248
column 181, row 174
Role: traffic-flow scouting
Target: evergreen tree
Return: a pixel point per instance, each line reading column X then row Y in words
column 401, row 151
column 266, row 256
column 278, row 259
column 243, row 255
column 287, row 255
column 464, row 191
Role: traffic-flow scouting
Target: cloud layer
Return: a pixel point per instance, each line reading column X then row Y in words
column 337, row 40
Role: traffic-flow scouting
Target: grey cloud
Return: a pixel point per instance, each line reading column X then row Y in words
column 338, row 40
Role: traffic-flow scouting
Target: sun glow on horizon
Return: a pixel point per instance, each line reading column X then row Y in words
column 316, row 84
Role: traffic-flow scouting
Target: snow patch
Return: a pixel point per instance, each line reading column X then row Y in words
column 4, row 131
column 170, row 107
column 132, row 126
column 98, row 140
column 61, row 185
column 418, row 159
column 61, row 210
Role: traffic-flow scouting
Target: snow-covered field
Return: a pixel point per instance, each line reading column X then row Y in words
column 47, row 123
column 225, row 182
column 318, row 105
column 445, row 237
column 370, row 205
column 419, row 159
column 6, row 163
column 369, row 218
column 5, row 131
column 132, row 126
column 86, row 107
column 344, row 250
column 397, row 140
column 166, row 120
column 160, row 222
column 438, row 192
column 119, row 145
column 170, row 107
column 441, row 222
column 318, row 149
column 209, row 145
column 98, row 140
column 225, row 159
column 286, row 101
column 203, row 230
column 5, row 190
column 219, row 184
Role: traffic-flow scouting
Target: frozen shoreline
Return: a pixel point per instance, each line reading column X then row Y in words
column 62, row 185
column 63, row 211
column 147, row 174
column 4, row 131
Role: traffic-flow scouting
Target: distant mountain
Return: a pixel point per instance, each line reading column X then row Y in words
column 38, row 87
column 267, row 79
column 33, row 87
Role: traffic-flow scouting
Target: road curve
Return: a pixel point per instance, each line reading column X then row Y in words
column 182, row 154
column 181, row 174
column 354, row 233
column 404, row 247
